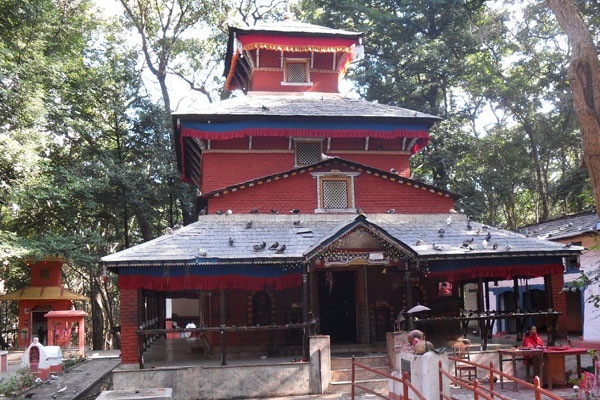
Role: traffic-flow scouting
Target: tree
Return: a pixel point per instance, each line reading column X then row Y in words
column 170, row 32
column 584, row 76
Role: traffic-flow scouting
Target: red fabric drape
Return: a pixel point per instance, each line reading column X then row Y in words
column 209, row 282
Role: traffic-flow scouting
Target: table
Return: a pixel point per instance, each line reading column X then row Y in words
column 554, row 363
column 516, row 354
column 486, row 321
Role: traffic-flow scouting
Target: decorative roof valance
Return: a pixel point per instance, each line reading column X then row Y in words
column 495, row 268
column 296, row 43
column 316, row 128
column 211, row 277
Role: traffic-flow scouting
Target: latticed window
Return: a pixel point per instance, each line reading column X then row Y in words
column 335, row 193
column 308, row 153
column 296, row 72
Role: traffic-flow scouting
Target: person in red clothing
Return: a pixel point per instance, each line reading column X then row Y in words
column 532, row 339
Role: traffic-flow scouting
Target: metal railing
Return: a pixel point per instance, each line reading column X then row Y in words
column 222, row 330
column 479, row 390
column 406, row 385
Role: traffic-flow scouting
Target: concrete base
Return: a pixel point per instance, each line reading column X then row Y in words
column 222, row 382
column 141, row 394
column 423, row 374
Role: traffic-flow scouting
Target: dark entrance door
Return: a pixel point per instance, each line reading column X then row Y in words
column 337, row 305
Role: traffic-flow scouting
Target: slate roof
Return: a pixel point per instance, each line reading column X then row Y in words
column 211, row 233
column 564, row 227
column 339, row 161
column 284, row 106
column 295, row 27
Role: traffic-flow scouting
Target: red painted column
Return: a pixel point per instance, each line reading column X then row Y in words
column 82, row 337
column 559, row 303
column 129, row 325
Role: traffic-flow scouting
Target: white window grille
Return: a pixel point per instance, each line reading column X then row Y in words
column 308, row 153
column 335, row 193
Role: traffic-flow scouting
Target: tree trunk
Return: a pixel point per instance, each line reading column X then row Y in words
column 97, row 317
column 584, row 76
column 541, row 188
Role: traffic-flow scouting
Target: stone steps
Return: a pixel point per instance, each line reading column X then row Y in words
column 341, row 373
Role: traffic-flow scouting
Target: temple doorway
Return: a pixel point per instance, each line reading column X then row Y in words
column 337, row 305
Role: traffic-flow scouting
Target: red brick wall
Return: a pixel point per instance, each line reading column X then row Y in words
column 129, row 324
column 224, row 169
column 383, row 162
column 326, row 82
column 373, row 194
column 559, row 301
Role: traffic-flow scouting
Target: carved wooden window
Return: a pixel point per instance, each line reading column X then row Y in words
column 335, row 193
column 308, row 153
column 296, row 72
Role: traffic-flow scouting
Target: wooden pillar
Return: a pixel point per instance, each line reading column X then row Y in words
column 305, row 339
column 518, row 321
column 408, row 288
column 480, row 306
column 223, row 341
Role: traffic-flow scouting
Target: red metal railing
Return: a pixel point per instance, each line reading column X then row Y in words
column 477, row 389
column 406, row 385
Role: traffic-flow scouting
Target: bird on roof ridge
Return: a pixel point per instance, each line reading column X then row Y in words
column 254, row 211
column 420, row 242
column 258, row 247
column 281, row 249
column 169, row 230
column 441, row 232
column 391, row 211
column 469, row 226
column 488, row 236
column 274, row 246
column 449, row 220
column 231, row 241
column 297, row 223
column 495, row 246
column 274, row 211
column 452, row 211
column 294, row 211
column 249, row 224
column 202, row 252
column 228, row 212
column 394, row 171
column 219, row 212
column 436, row 246
column 508, row 247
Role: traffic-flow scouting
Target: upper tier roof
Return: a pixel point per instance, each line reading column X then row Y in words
column 322, row 105
column 287, row 27
column 296, row 28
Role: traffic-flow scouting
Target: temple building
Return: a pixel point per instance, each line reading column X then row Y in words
column 309, row 221
column 44, row 294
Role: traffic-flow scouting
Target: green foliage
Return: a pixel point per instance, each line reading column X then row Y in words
column 468, row 61
column 21, row 380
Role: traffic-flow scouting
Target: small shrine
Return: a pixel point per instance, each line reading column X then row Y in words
column 45, row 294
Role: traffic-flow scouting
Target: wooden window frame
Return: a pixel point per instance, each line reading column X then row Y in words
column 336, row 175
column 296, row 141
column 304, row 61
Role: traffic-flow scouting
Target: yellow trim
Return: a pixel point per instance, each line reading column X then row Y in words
column 43, row 293
column 279, row 47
